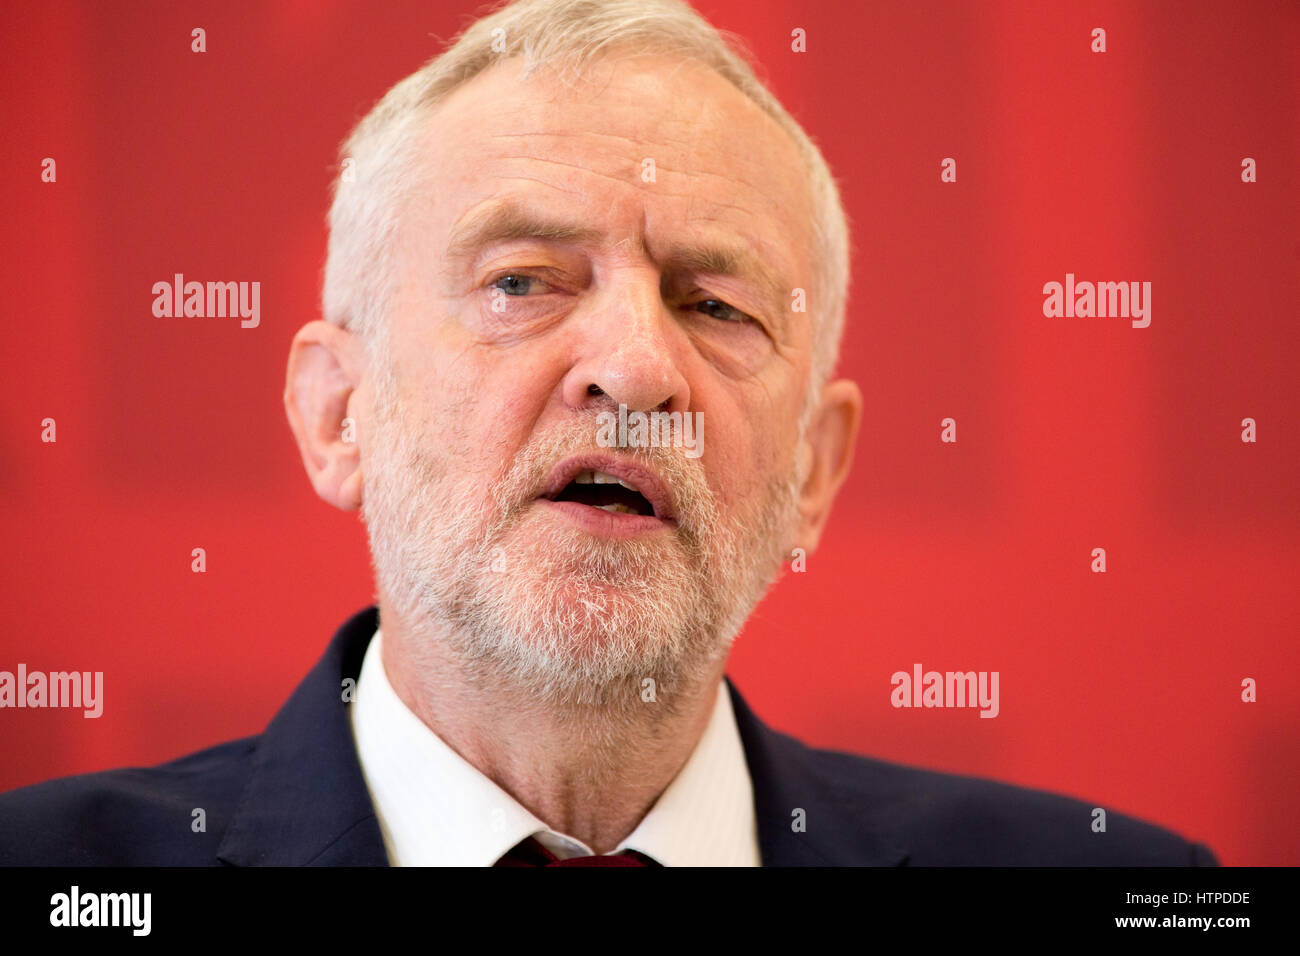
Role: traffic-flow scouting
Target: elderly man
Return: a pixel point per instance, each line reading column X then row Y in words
column 585, row 288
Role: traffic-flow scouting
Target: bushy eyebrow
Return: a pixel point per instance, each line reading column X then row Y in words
column 503, row 221
column 737, row 262
column 506, row 220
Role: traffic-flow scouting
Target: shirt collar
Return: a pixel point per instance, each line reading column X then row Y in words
column 437, row 809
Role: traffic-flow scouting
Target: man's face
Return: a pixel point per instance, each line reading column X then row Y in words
column 633, row 240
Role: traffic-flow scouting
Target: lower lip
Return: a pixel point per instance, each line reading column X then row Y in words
column 606, row 524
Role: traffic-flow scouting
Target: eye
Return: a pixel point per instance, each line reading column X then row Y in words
column 516, row 283
column 717, row 309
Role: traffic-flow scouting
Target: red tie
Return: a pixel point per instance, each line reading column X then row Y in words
column 532, row 853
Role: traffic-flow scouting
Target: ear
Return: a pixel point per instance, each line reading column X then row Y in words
column 323, row 375
column 828, row 447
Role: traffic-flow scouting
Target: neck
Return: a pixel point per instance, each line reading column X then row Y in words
column 591, row 771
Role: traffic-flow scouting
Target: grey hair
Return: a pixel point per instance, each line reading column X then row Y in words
column 565, row 35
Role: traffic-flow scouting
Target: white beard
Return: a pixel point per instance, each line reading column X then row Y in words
column 568, row 619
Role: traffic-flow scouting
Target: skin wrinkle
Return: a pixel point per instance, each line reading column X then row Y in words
column 585, row 134
column 774, row 290
column 621, row 180
column 661, row 166
column 533, row 673
column 540, row 182
column 615, row 57
column 733, row 176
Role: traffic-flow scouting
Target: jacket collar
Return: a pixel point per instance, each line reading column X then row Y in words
column 789, row 776
column 306, row 802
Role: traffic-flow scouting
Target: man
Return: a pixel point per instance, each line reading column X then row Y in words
column 583, row 220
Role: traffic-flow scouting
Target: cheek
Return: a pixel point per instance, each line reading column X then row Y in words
column 747, row 458
column 734, row 463
column 478, row 414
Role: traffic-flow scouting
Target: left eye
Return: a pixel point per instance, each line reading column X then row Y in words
column 716, row 308
column 516, row 284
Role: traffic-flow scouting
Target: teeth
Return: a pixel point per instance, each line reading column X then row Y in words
column 604, row 478
column 601, row 478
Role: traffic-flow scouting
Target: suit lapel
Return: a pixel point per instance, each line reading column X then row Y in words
column 789, row 777
column 306, row 802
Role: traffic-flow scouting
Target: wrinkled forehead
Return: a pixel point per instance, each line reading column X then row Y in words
column 668, row 133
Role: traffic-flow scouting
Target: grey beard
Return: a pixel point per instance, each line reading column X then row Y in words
column 569, row 622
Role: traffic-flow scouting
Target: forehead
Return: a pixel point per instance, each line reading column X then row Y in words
column 644, row 143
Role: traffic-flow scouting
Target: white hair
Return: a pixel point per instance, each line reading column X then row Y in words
column 565, row 35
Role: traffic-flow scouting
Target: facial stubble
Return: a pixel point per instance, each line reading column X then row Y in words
column 565, row 618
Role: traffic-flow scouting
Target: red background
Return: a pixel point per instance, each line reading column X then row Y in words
column 1123, row 688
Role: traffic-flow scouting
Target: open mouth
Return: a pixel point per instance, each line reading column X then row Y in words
column 601, row 490
column 634, row 497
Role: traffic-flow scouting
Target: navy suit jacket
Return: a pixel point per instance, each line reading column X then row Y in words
column 295, row 796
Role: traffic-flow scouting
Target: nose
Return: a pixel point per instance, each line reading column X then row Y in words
column 630, row 350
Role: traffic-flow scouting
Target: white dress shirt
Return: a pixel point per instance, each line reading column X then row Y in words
column 436, row 809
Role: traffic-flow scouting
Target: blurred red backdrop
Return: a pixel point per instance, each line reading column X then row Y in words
column 1123, row 687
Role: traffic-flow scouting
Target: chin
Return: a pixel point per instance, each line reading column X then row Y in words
column 556, row 629
column 633, row 566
